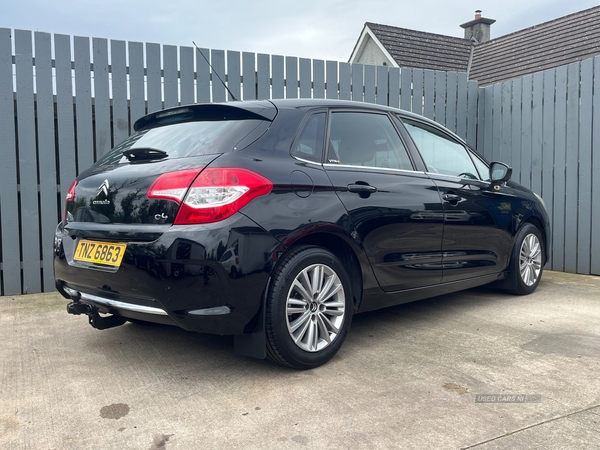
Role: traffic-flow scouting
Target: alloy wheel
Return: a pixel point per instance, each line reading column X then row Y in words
column 315, row 307
column 530, row 259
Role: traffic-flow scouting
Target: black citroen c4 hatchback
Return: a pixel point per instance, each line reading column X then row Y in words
column 276, row 221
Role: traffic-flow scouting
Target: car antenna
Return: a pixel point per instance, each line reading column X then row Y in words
column 215, row 72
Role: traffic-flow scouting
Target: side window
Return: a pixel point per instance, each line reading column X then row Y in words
column 484, row 170
column 310, row 144
column 441, row 153
column 366, row 139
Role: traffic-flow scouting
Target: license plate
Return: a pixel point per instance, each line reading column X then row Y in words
column 107, row 253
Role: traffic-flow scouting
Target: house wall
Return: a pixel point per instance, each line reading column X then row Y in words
column 371, row 53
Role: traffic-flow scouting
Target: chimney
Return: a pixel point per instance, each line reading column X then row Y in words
column 478, row 28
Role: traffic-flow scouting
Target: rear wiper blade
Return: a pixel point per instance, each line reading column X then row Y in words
column 144, row 154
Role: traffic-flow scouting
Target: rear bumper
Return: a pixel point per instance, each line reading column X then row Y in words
column 177, row 279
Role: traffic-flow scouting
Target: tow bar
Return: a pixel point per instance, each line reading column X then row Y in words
column 77, row 308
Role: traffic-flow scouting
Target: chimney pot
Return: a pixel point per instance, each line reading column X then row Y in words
column 478, row 28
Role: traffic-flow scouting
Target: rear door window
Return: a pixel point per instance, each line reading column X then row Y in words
column 309, row 145
column 366, row 139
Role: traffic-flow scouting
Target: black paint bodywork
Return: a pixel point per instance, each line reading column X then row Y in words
column 401, row 243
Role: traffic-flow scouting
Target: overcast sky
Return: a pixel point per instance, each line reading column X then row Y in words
column 323, row 29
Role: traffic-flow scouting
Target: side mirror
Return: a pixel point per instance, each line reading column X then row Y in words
column 499, row 173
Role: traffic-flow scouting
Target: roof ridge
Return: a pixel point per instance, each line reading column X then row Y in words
column 417, row 31
column 537, row 26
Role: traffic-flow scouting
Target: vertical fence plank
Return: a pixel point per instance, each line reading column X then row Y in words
column 249, row 75
column 345, row 81
column 305, row 78
column 584, row 177
column 171, row 78
column 595, row 209
column 572, row 181
column 515, row 146
column 497, row 123
column 548, row 145
column 234, row 77
column 370, row 84
column 505, row 149
column 137, row 95
column 560, row 162
column 217, row 60
column 119, row 91
column 451, row 98
column 263, row 75
column 64, row 112
column 46, row 153
column 429, row 94
column 536, row 132
column 203, row 75
column 394, row 87
column 382, row 85
column 461, row 105
column 28, row 177
column 291, row 77
column 488, row 122
column 357, row 82
column 472, row 114
column 480, row 129
column 332, row 90
column 440, row 97
column 405, row 88
column 318, row 78
column 153, row 78
column 83, row 103
column 526, row 115
column 186, row 75
column 278, row 76
column 9, row 210
column 101, row 97
column 417, row 98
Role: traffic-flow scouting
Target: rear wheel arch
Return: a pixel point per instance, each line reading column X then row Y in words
column 343, row 251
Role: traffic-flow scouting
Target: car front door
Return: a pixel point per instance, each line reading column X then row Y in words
column 396, row 210
column 477, row 220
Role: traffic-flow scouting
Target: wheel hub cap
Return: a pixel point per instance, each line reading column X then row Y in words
column 315, row 308
column 530, row 259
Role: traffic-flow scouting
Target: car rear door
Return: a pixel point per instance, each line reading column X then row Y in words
column 396, row 210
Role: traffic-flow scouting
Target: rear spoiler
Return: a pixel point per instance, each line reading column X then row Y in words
column 257, row 110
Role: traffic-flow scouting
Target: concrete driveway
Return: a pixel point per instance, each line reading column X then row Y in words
column 407, row 377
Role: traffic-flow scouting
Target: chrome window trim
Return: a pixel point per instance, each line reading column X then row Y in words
column 384, row 169
column 307, row 161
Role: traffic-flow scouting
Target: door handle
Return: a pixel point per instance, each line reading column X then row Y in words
column 452, row 198
column 362, row 188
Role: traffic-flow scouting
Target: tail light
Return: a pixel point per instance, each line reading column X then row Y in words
column 212, row 196
column 69, row 197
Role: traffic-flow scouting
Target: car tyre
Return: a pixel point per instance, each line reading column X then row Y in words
column 526, row 265
column 309, row 308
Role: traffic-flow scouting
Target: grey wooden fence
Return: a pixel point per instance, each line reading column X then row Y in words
column 65, row 101
column 547, row 126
